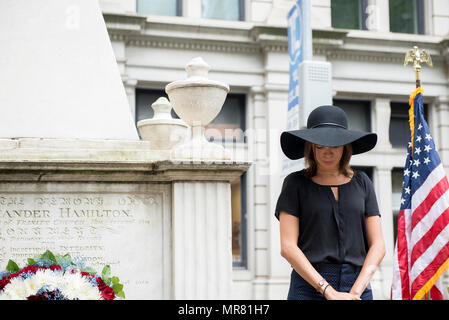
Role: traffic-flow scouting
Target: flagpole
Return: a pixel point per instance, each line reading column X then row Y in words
column 418, row 57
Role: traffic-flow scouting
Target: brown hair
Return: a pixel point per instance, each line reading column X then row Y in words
column 311, row 164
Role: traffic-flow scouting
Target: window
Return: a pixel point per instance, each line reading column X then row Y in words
column 238, row 202
column 407, row 16
column 399, row 124
column 349, row 14
column 159, row 7
column 229, row 125
column 224, row 10
column 397, row 177
column 358, row 112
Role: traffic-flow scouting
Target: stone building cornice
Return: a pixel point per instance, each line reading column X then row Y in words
column 247, row 37
column 360, row 45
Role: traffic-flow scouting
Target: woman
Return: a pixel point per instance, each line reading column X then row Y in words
column 329, row 217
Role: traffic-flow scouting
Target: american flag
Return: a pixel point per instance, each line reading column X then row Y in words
column 421, row 253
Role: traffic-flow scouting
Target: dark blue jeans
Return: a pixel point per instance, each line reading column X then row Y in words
column 340, row 276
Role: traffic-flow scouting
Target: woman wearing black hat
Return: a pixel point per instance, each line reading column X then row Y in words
column 329, row 218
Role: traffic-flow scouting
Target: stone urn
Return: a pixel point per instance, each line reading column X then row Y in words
column 163, row 131
column 197, row 100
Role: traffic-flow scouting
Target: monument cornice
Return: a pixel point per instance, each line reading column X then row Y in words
column 129, row 171
column 45, row 160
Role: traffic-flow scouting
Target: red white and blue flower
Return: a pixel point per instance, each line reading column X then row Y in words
column 56, row 277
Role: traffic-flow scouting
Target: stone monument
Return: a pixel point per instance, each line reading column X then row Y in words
column 58, row 64
column 75, row 177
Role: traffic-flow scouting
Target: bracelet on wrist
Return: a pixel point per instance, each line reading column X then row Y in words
column 321, row 284
column 324, row 291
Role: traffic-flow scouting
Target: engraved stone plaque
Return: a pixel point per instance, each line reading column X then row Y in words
column 124, row 225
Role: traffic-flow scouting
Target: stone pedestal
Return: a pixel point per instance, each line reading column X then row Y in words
column 164, row 227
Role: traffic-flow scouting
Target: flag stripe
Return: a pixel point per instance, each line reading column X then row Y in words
column 402, row 253
column 432, row 272
column 422, row 210
column 428, row 238
column 434, row 212
column 433, row 178
column 437, row 253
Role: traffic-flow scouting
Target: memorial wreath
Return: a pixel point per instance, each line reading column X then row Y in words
column 57, row 277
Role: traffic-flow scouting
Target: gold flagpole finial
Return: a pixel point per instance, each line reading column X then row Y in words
column 418, row 57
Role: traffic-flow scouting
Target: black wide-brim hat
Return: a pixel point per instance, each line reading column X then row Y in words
column 326, row 126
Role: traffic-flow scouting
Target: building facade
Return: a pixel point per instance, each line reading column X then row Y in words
column 245, row 42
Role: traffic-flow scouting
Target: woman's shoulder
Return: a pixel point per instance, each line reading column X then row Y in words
column 296, row 177
column 361, row 177
column 360, row 174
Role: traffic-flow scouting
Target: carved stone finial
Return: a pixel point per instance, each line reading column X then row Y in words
column 162, row 108
column 197, row 67
column 162, row 130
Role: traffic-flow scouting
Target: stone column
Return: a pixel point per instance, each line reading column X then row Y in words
column 442, row 110
column 191, row 8
column 259, row 10
column 381, row 112
column 440, row 17
column 380, row 115
column 378, row 15
column 278, row 268
column 441, row 140
column 202, row 256
column 321, row 14
column 118, row 5
column 260, row 178
column 382, row 183
column 271, row 270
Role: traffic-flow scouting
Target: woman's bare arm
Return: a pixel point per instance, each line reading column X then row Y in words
column 375, row 254
column 289, row 230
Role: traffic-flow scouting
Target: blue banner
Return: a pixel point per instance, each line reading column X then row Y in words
column 295, row 52
column 296, row 28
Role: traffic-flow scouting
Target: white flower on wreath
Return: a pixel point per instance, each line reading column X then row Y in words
column 71, row 285
column 75, row 286
column 15, row 290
